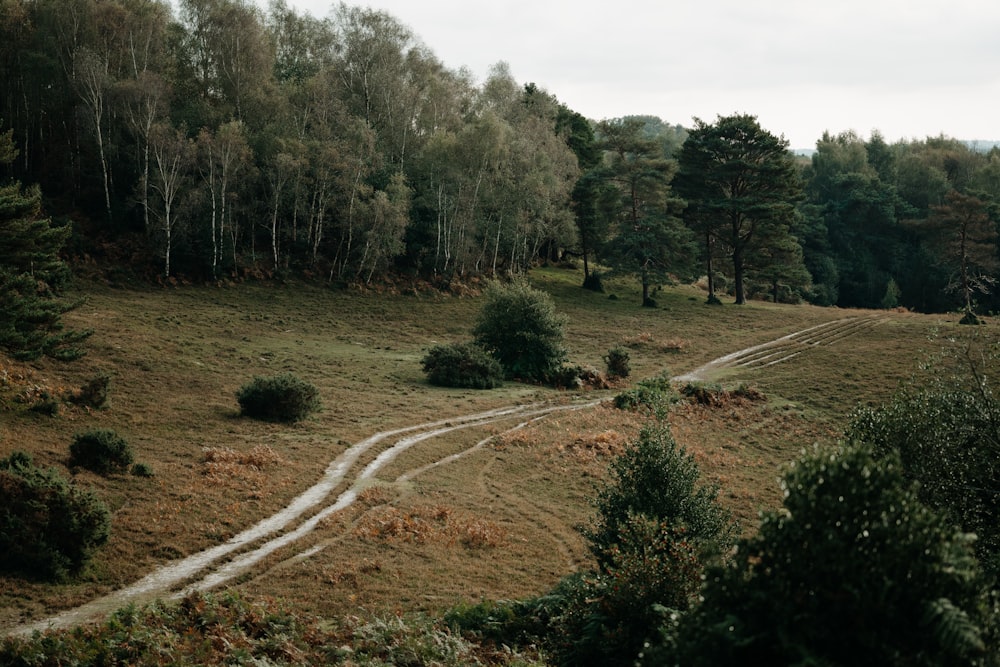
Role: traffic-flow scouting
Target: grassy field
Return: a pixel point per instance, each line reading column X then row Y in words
column 498, row 522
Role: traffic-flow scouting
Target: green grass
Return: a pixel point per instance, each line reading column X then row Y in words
column 177, row 357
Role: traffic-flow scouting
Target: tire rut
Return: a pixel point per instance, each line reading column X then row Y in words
column 214, row 566
column 782, row 349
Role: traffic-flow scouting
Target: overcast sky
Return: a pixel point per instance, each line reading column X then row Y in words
column 908, row 68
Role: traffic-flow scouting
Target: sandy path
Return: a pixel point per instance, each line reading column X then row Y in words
column 217, row 565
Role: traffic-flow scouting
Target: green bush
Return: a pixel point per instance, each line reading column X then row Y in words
column 854, row 570
column 142, row 470
column 279, row 398
column 94, row 394
column 655, row 529
column 657, row 479
column 464, row 365
column 101, row 450
column 945, row 427
column 653, row 394
column 566, row 377
column 618, row 362
column 48, row 527
column 518, row 325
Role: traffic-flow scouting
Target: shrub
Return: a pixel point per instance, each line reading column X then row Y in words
column 518, row 325
column 566, row 377
column 945, row 427
column 48, row 527
column 142, row 470
column 100, row 450
column 463, row 365
column 653, row 394
column 855, row 569
column 618, row 362
column 94, row 393
column 657, row 479
column 655, row 528
column 280, row 398
column 593, row 282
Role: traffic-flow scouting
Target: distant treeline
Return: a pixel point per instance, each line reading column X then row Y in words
column 223, row 139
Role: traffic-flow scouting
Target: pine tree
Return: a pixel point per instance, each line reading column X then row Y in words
column 30, row 273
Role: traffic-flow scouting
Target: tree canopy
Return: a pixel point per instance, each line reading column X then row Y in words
column 741, row 189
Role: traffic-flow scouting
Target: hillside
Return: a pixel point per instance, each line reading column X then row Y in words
column 498, row 522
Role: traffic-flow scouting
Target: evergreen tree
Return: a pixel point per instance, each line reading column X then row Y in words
column 650, row 241
column 741, row 188
column 963, row 234
column 30, row 273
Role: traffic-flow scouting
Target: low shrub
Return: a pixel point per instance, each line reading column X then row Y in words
column 48, row 527
column 46, row 405
column 715, row 395
column 142, row 470
column 618, row 362
column 566, row 377
column 94, row 394
column 464, row 365
column 279, row 398
column 100, row 450
column 653, row 394
column 593, row 282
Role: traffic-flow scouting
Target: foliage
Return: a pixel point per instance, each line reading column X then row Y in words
column 101, row 450
column 654, row 394
column 657, row 479
column 279, row 398
column 945, row 428
column 142, row 470
column 655, row 529
column 715, row 395
column 30, row 272
column 963, row 232
column 462, row 365
column 94, row 394
column 231, row 629
column 617, row 360
column 48, row 527
column 854, row 570
column 567, row 376
column 649, row 240
column 741, row 188
column 519, row 326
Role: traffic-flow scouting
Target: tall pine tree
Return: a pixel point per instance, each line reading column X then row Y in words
column 31, row 272
column 741, row 188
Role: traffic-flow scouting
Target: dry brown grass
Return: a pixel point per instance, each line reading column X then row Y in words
column 177, row 357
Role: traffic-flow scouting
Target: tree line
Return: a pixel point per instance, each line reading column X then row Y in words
column 224, row 140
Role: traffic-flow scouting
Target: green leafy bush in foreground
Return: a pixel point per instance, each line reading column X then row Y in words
column 464, row 365
column 101, row 450
column 48, row 527
column 855, row 570
column 945, row 428
column 280, row 398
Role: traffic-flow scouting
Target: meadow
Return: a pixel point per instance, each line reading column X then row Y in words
column 498, row 522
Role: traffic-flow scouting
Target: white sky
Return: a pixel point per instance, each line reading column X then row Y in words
column 909, row 68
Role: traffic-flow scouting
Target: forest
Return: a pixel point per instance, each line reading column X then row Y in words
column 223, row 141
